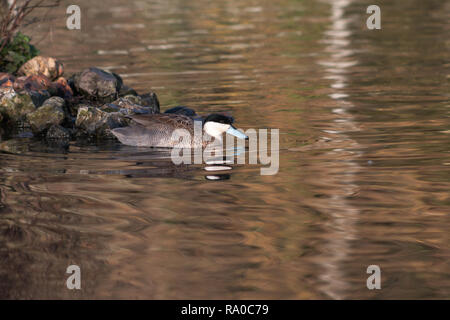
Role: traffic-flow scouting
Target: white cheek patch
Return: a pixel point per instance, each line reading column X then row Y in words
column 216, row 129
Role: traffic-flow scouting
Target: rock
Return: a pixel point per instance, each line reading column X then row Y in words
column 51, row 113
column 7, row 84
column 38, row 97
column 19, row 83
column 126, row 90
column 110, row 107
column 119, row 81
column 55, row 102
column 32, row 83
column 134, row 99
column 5, row 91
column 97, row 122
column 5, row 75
column 128, row 106
column 15, row 106
column 57, row 132
column 97, row 84
column 23, row 133
column 6, row 80
column 37, row 87
column 62, row 88
column 60, row 103
column 91, row 102
column 72, row 107
column 39, row 65
column 150, row 100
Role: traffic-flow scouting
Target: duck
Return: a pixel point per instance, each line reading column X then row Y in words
column 157, row 130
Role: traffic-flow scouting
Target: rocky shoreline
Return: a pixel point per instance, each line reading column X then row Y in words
column 39, row 102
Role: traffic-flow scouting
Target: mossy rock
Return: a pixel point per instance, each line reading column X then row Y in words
column 96, row 122
column 15, row 106
column 133, row 105
column 55, row 101
column 38, row 97
column 57, row 132
column 45, row 116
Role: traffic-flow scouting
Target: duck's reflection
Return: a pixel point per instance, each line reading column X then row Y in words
column 218, row 177
column 141, row 163
column 218, row 164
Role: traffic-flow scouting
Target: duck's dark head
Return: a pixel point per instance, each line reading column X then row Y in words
column 216, row 124
column 219, row 118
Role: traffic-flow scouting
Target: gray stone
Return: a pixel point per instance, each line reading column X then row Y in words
column 150, row 100
column 55, row 101
column 110, row 107
column 38, row 97
column 96, row 122
column 47, row 66
column 127, row 105
column 97, row 84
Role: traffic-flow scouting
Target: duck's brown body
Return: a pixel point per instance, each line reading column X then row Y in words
column 157, row 130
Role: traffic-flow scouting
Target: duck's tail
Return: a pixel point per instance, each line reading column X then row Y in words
column 133, row 135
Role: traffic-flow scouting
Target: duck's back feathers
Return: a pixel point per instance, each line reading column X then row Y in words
column 166, row 121
column 155, row 130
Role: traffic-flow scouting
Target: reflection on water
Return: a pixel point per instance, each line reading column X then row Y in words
column 364, row 160
column 343, row 215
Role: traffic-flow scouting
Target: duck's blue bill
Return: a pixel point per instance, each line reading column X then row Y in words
column 238, row 134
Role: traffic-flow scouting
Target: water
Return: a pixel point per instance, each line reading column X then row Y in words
column 364, row 162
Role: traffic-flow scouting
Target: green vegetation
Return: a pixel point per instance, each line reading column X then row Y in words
column 15, row 47
column 16, row 52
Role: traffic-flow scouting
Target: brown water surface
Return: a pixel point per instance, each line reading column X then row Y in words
column 364, row 173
